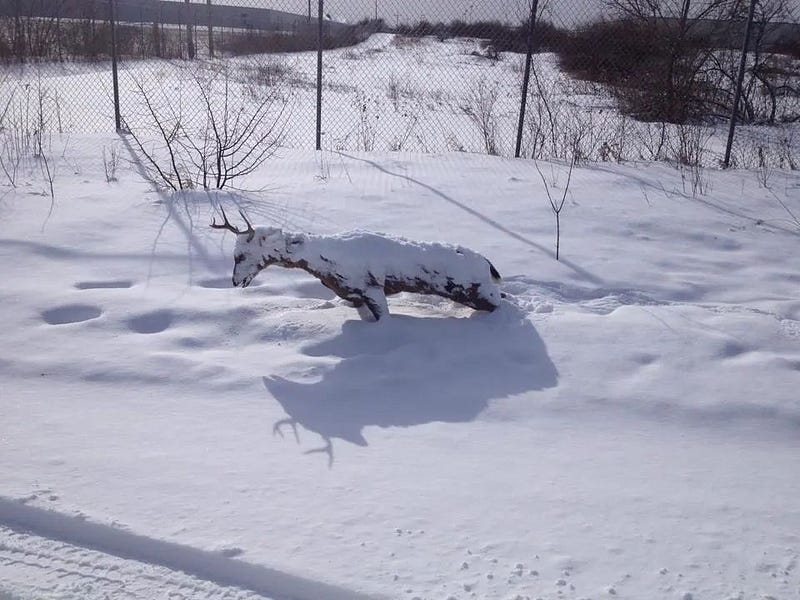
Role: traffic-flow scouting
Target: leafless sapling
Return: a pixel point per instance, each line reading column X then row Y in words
column 557, row 205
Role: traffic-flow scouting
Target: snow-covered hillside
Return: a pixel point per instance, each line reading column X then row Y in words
column 625, row 425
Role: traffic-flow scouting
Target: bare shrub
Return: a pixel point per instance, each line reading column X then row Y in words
column 10, row 140
column 406, row 42
column 411, row 120
column 579, row 136
column 43, row 132
column 787, row 150
column 543, row 117
column 454, row 144
column 368, row 117
column 480, row 106
column 793, row 217
column 275, row 73
column 28, row 120
column 689, row 147
column 618, row 144
column 764, row 169
column 651, row 140
column 9, row 161
column 765, row 151
column 398, row 90
column 239, row 128
column 486, row 50
column 393, row 92
column 111, row 163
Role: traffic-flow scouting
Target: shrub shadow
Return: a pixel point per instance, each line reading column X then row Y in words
column 408, row 371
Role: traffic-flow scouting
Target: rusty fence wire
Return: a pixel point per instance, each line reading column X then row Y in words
column 589, row 80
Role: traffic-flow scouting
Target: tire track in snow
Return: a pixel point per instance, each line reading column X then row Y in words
column 42, row 568
column 69, row 555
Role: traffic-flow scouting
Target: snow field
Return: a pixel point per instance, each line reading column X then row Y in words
column 623, row 426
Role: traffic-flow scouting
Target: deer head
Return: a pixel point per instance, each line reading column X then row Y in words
column 255, row 249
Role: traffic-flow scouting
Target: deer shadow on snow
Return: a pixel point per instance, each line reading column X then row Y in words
column 406, row 371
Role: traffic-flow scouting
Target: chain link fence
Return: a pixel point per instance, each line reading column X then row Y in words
column 590, row 80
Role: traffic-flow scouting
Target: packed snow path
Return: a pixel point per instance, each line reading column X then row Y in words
column 43, row 552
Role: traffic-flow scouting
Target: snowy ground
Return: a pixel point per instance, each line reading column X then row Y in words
column 625, row 425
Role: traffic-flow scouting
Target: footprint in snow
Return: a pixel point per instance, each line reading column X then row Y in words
column 103, row 285
column 643, row 359
column 731, row 349
column 151, row 322
column 192, row 343
column 71, row 313
column 215, row 283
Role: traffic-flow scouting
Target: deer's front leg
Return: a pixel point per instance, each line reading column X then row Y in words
column 375, row 300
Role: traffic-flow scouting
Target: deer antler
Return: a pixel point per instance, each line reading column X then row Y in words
column 249, row 226
column 226, row 224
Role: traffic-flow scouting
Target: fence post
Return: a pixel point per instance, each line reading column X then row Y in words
column 739, row 80
column 19, row 36
column 210, row 30
column 319, row 74
column 190, row 15
column 527, row 77
column 142, row 51
column 114, row 77
column 157, row 18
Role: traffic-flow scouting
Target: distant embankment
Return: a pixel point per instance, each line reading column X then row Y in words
column 169, row 13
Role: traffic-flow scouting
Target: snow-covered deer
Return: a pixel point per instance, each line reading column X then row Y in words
column 364, row 267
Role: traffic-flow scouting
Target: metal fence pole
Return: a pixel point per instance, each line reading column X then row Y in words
column 319, row 75
column 142, row 51
column 210, row 30
column 190, row 30
column 739, row 80
column 527, row 77
column 114, row 77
